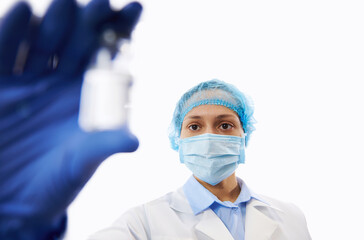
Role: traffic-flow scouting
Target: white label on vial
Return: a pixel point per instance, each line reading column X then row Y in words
column 104, row 97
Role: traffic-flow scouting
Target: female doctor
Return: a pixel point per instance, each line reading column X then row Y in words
column 210, row 129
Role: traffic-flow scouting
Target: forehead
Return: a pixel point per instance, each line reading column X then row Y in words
column 211, row 110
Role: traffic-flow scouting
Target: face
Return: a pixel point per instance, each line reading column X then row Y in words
column 213, row 119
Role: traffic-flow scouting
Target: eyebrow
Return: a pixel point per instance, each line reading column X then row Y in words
column 193, row 117
column 225, row 116
column 219, row 116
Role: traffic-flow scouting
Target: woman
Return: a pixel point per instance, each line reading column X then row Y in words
column 211, row 126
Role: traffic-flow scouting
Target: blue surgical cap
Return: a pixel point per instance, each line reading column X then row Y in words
column 213, row 92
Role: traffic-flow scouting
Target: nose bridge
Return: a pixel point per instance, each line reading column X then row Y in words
column 210, row 129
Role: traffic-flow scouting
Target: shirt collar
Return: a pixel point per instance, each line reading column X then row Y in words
column 197, row 195
column 201, row 199
column 245, row 191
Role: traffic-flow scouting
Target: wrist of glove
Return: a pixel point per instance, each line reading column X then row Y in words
column 33, row 229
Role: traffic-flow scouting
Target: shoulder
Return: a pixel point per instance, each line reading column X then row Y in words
column 135, row 223
column 169, row 202
column 286, row 215
column 140, row 212
column 287, row 208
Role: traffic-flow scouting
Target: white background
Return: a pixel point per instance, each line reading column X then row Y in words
column 302, row 63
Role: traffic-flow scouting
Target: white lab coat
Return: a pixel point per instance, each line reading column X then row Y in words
column 171, row 217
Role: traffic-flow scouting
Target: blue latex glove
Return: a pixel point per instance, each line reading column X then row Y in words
column 45, row 158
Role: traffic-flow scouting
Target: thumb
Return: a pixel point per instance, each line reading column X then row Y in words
column 93, row 148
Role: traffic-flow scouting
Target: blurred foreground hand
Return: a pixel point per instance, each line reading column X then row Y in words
column 45, row 158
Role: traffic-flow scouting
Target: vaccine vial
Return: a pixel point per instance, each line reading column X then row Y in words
column 105, row 92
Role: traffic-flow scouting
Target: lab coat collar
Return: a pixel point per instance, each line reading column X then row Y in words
column 259, row 223
column 259, row 201
column 179, row 202
column 211, row 227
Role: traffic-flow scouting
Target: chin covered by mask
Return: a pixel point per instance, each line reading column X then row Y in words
column 212, row 157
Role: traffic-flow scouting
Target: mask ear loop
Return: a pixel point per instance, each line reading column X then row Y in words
column 242, row 149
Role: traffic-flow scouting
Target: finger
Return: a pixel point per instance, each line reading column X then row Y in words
column 96, row 12
column 52, row 34
column 126, row 19
column 95, row 148
column 56, row 25
column 13, row 30
column 99, row 14
column 86, row 40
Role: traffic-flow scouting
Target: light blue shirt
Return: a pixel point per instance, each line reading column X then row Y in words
column 231, row 214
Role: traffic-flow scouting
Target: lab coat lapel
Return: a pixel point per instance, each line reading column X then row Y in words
column 259, row 226
column 209, row 226
column 212, row 227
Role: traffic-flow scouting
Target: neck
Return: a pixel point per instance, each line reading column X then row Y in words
column 227, row 190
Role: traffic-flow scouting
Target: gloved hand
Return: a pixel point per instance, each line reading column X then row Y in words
column 45, row 158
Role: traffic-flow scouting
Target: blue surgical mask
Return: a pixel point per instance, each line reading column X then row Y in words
column 212, row 157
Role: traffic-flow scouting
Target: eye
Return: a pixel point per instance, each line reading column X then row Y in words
column 226, row 126
column 194, row 127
